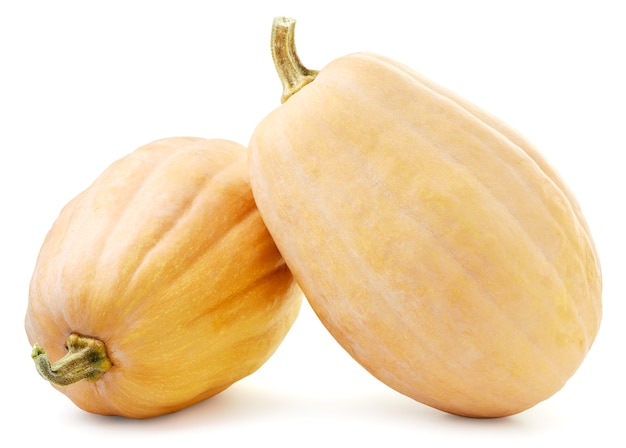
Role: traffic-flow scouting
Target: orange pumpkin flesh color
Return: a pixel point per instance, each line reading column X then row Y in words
column 159, row 286
column 435, row 244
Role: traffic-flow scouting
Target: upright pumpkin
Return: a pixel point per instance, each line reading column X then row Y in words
column 435, row 244
column 159, row 286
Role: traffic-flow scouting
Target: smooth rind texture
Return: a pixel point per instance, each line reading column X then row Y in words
column 448, row 260
column 166, row 259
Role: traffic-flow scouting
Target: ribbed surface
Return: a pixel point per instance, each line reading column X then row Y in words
column 441, row 255
column 166, row 259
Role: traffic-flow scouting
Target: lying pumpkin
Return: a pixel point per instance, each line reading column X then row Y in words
column 435, row 244
column 159, row 286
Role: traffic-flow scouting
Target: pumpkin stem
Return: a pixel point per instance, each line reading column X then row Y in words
column 290, row 70
column 86, row 359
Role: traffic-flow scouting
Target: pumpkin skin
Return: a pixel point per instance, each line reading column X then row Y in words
column 166, row 260
column 434, row 243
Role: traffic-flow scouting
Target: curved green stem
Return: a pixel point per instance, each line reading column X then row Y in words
column 86, row 359
column 290, row 70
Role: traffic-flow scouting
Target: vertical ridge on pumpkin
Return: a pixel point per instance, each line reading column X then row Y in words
column 203, row 242
column 106, row 205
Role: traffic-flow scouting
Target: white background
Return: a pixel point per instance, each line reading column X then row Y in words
column 84, row 83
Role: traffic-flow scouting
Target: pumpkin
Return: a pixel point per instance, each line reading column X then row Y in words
column 434, row 243
column 159, row 285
